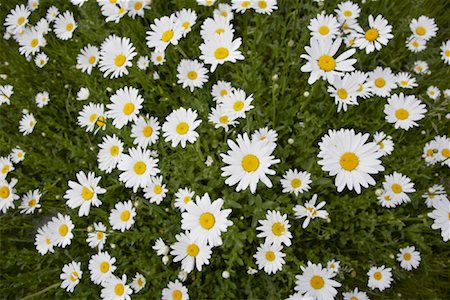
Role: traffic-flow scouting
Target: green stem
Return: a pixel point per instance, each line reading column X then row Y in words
column 41, row 291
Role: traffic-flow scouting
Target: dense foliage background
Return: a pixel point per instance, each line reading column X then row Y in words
column 361, row 233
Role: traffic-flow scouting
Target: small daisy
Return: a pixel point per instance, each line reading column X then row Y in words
column 433, row 92
column 443, row 150
column 310, row 211
column 33, row 4
column 387, row 199
column 265, row 135
column 43, row 240
column 415, row 44
column 145, row 131
column 347, row 11
column 191, row 254
column 404, row 80
column 423, row 27
column 83, row 94
column 324, row 26
column 175, row 291
column 192, row 74
column 317, row 282
column 220, row 118
column 17, row 19
column 224, row 10
column 264, row 6
column 156, row 191
column 380, row 278
column 160, row 247
column 109, row 154
column 241, row 6
column 355, row 295
column 98, row 237
column 409, row 258
column 187, row 19
column 384, row 142
column 116, row 288
column 164, row 31
column 6, row 92
column 421, row 67
column 41, row 60
column 70, row 276
column 91, row 116
column 65, row 25
column 122, row 216
column 125, row 105
column 220, row 49
column 7, row 194
column 206, row 220
column 61, row 230
column 403, row 111
column 182, row 198
column 398, row 185
column 333, row 265
column 138, row 282
column 344, row 91
column 158, row 58
column 213, row 27
column 296, row 182
column 445, row 52
column 237, row 103
column 441, row 217
column 88, row 58
column 6, row 166
column 378, row 34
column 382, row 81
column 114, row 12
column 17, row 155
column 136, row 7
column 143, row 63
column 221, row 89
column 275, row 229
column 269, row 257
column 30, row 202
column 52, row 13
column 116, row 54
column 179, row 127
column 435, row 193
column 137, row 168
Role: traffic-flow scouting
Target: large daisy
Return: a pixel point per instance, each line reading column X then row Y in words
column 164, row 31
column 403, row 111
column 424, row 28
column 317, row 282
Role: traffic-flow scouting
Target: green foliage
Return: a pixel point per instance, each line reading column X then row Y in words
column 361, row 233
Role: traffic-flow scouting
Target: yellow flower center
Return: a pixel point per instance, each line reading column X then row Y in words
column 186, row 199
column 121, row 10
column 421, row 30
column 177, row 295
column 296, row 183
column 92, row 59
column 401, row 114
column 270, row 255
column 224, row 119
column 69, row 27
column 20, row 20
column 262, row 4
column 445, row 152
column 371, row 34
column 396, row 188
column 4, row 192
column 317, row 282
column 125, row 216
column 224, row 14
column 407, row 256
column 128, row 108
column 223, row 93
column 348, row 13
column 377, row 275
column 86, row 193
column 387, row 198
column 192, row 75
column 415, row 44
column 324, row 30
column 140, row 282
column 148, row 130
column 221, row 53
column 327, row 63
column 238, row 105
column 404, row 82
column 349, row 161
column 140, row 167
column 342, row 93
column 381, row 145
column 138, row 5
column 447, row 53
column 114, row 151
column 5, row 169
column 354, row 298
column 119, row 289
column 32, row 203
column 245, row 4
column 63, row 230
column 182, row 128
column 220, row 30
column 92, row 118
column 34, row 43
column 20, row 154
column 207, row 220
column 277, row 228
column 99, row 235
column 419, row 68
column 159, row 58
column 250, row 163
column 192, row 250
column 157, row 189
column 167, row 36
column 380, row 82
column 120, row 60
column 186, row 25
column 100, row 121
column 73, row 276
column 31, row 123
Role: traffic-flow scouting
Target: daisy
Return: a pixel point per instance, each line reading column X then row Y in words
column 387, row 199
column 191, row 254
column 116, row 288
column 333, row 265
column 379, row 277
column 248, row 162
column 378, row 34
column 398, row 185
column 88, row 58
column 310, row 211
column 445, row 52
column 241, row 6
column 98, row 237
column 317, row 282
column 33, row 4
column 6, row 166
column 122, row 216
column 424, row 27
column 92, row 115
column 83, row 94
column 221, row 89
column 220, row 118
column 212, row 28
column 70, row 276
column 409, row 258
column 158, row 58
column 6, row 92
column 30, row 201
column 7, row 194
column 206, row 2
column 384, row 143
column 403, row 111
column 116, row 54
column 65, row 25
column 382, row 81
column 187, row 19
column 344, row 91
column 17, row 19
column 175, row 291
column 441, row 218
column 17, row 155
column 30, row 42
column 355, row 295
column 237, row 103
column 43, row 240
column 351, row 158
column 155, row 191
column 182, row 198
column 433, row 92
column 264, row 6
column 275, row 228
column 109, row 154
column 114, row 11
column 180, row 126
column 136, row 7
column 52, row 13
column 220, row 49
column 143, row 63
column 41, row 60
column 164, row 31
column 192, row 74
column 224, row 10
column 295, row 182
column 27, row 123
column 145, row 131
column 443, row 150
column 322, row 64
column 435, row 193
column 269, row 257
column 101, row 267
column 421, row 67
column 415, row 44
column 430, row 151
column 138, row 282
column 265, row 135
column 137, row 168
column 160, row 247
column 61, row 230
column 324, row 26
column 404, row 80
column 125, row 106
column 206, row 220
column 347, row 11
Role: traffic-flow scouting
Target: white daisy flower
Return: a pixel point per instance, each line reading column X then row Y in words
column 180, row 126
column 380, row 278
column 175, row 291
column 52, row 13
column 378, row 34
column 237, row 103
column 403, row 111
column 33, row 4
column 387, row 199
column 275, row 228
column 434, row 194
column 145, row 131
column 30, row 42
column 405, row 80
column 333, row 265
column 88, row 58
column 116, row 54
column 143, row 63
column 241, row 6
column 206, row 2
column 156, row 191
column 398, row 185
column 101, row 267
column 187, row 19
column 17, row 19
column 220, row 118
column 41, row 60
column 409, row 258
column 317, row 282
column 345, row 91
column 17, row 155
column 125, row 106
column 7, row 194
column 191, row 254
column 220, row 49
column 116, row 288
column 221, row 89
column 269, row 257
column 224, row 10
column 384, row 142
column 160, row 247
column 98, row 237
column 192, row 74
column 61, row 228
column 114, row 11
column 138, row 282
column 43, row 240
column 433, row 92
column 324, row 26
column 347, row 11
column 440, row 215
column 264, row 6
column 445, row 52
column 43, row 26
column 265, row 135
column 136, row 7
column 6, row 92
column 382, row 81
column 182, row 198
column 158, row 58
column 423, row 27
column 415, row 44
column 164, row 31
column 27, row 123
column 91, row 116
column 443, row 150
column 6, row 166
column 70, row 276
column 421, row 67
column 295, row 182
column 65, row 25
column 30, row 202
column 122, row 216
column 248, row 162
column 355, row 295
column 310, row 211
column 109, row 153
column 213, row 27
column 83, row 94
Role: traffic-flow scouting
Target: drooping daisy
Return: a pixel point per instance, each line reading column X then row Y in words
column 445, row 52
column 61, row 228
column 143, row 63
column 423, row 27
column 145, row 131
column 378, row 34
column 70, row 276
column 324, row 26
column 43, row 240
column 433, row 92
column 220, row 49
column 399, row 186
column 156, row 191
column 30, row 201
column 248, row 162
column 347, row 11
column 116, row 54
column 7, row 194
column 355, row 295
column 403, row 111
column 345, row 92
column 136, row 7
column 109, row 154
column 6, row 92
column 6, row 166
column 182, row 198
column 441, row 217
column 17, row 19
column 175, row 291
column 220, row 118
column 97, row 238
column 317, row 282
column 435, row 193
column 296, row 182
column 310, row 210
column 237, row 103
column 221, row 89
column 405, row 80
column 160, row 247
column 382, row 81
column 92, row 116
column 275, row 229
column 158, row 58
column 138, row 282
column 17, row 155
column 187, row 19
column 122, row 216
column 380, row 278
column 125, row 105
column 65, row 25
column 41, row 60
column 179, row 127
column 415, row 44
column 88, row 58
column 206, row 220
column 351, row 158
column 384, row 142
column 192, row 74
column 83, row 94
column 333, row 265
column 191, row 254
column 30, row 42
column 269, row 257
column 409, row 258
column 164, row 31
column 321, row 62
column 101, row 267
column 116, row 288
